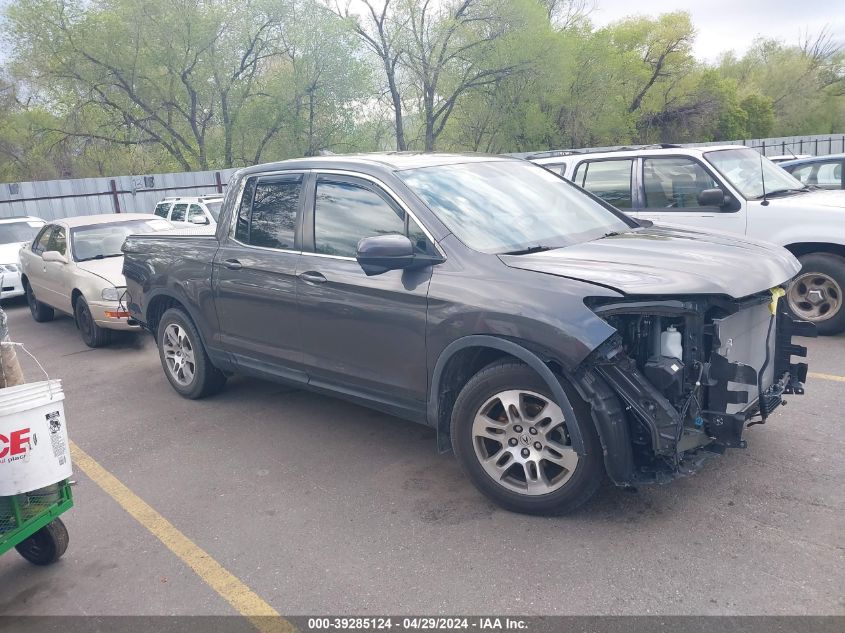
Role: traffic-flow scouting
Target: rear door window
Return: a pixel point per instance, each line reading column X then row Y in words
column 178, row 213
column 195, row 211
column 829, row 176
column 803, row 173
column 274, row 209
column 610, row 180
column 268, row 213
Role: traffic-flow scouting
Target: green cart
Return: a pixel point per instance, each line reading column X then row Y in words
column 30, row 523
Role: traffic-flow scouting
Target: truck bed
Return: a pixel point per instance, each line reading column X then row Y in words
column 179, row 261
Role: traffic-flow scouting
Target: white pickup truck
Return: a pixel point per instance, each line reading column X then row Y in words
column 727, row 188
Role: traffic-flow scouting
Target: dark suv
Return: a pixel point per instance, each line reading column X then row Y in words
column 547, row 337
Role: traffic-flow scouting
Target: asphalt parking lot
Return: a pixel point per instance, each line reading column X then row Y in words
column 322, row 507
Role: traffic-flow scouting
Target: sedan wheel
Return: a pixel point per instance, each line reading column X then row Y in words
column 40, row 312
column 521, row 442
column 92, row 334
column 179, row 354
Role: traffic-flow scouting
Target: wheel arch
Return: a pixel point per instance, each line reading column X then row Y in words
column 464, row 357
column 161, row 303
column 806, row 248
column 74, row 297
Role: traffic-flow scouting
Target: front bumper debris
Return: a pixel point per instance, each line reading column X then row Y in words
column 735, row 380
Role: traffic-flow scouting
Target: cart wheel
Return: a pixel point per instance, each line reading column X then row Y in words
column 47, row 545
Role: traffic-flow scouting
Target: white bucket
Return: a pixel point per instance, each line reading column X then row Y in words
column 34, row 450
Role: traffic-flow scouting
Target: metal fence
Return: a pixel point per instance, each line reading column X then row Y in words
column 818, row 145
column 52, row 199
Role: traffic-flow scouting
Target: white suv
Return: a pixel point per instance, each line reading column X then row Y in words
column 14, row 233
column 727, row 188
column 191, row 211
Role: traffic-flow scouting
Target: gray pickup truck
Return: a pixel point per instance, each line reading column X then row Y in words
column 546, row 336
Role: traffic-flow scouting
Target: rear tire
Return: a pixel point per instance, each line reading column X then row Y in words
column 511, row 439
column 47, row 545
column 40, row 312
column 184, row 359
column 92, row 334
column 818, row 292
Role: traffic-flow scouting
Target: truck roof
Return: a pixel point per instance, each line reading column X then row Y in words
column 395, row 161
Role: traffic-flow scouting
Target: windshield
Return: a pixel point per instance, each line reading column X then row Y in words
column 504, row 206
column 97, row 241
column 214, row 209
column 18, row 232
column 745, row 170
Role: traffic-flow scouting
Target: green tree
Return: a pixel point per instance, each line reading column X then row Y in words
column 760, row 116
column 182, row 74
column 804, row 83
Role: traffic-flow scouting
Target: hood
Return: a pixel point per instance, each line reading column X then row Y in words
column 663, row 260
column 820, row 197
column 109, row 269
column 9, row 252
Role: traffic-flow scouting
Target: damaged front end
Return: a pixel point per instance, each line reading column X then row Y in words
column 691, row 373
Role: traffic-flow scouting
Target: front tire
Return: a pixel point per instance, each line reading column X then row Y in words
column 40, row 312
column 92, row 334
column 512, row 440
column 184, row 359
column 817, row 294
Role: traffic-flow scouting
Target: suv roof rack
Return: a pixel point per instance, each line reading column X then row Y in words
column 630, row 148
column 553, row 153
column 203, row 197
column 599, row 150
column 651, row 146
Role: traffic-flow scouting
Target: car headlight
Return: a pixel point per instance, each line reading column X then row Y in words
column 9, row 268
column 112, row 294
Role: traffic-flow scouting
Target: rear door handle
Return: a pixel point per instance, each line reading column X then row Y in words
column 312, row 277
column 232, row 264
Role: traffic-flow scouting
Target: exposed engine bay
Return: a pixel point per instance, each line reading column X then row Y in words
column 693, row 372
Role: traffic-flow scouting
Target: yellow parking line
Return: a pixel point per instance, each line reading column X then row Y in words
column 246, row 602
column 833, row 377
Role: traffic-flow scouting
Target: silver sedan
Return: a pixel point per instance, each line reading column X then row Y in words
column 75, row 265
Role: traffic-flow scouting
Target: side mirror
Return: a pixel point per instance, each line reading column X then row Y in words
column 54, row 256
column 199, row 220
column 712, row 198
column 381, row 253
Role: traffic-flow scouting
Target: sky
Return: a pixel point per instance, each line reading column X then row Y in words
column 733, row 24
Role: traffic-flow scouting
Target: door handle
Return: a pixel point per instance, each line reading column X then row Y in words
column 312, row 277
column 232, row 264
